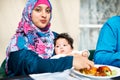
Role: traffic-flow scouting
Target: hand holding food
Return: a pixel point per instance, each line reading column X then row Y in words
column 80, row 62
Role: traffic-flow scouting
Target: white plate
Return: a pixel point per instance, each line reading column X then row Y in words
column 99, row 77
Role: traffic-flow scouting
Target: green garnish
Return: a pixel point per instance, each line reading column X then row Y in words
column 114, row 72
column 109, row 73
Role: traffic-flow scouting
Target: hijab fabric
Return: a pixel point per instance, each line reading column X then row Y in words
column 30, row 37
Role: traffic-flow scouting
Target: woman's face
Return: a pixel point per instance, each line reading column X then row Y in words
column 62, row 46
column 41, row 15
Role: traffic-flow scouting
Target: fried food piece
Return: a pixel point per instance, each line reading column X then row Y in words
column 103, row 71
column 91, row 71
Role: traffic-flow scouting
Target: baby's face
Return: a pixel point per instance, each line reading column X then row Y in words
column 62, row 46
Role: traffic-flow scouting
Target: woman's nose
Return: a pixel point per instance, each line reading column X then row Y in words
column 44, row 14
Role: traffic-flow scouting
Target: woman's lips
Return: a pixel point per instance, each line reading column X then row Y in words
column 43, row 21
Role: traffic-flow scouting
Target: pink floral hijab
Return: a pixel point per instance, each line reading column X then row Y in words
column 29, row 37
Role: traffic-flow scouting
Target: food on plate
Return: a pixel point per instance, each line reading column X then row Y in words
column 91, row 71
column 97, row 71
column 104, row 71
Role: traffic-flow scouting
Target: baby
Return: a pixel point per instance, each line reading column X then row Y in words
column 64, row 46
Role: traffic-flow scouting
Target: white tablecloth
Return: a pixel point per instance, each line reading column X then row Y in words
column 65, row 75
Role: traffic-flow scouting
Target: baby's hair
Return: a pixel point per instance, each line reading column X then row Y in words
column 65, row 36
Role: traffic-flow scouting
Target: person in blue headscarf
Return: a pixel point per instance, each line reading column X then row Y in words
column 32, row 46
column 108, row 45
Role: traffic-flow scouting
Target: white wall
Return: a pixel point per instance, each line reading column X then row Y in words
column 10, row 13
column 65, row 19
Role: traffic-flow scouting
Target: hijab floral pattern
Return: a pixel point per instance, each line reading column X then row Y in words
column 30, row 37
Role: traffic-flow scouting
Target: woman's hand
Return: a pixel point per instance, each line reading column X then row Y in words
column 80, row 62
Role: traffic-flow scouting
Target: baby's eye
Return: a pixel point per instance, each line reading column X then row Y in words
column 64, row 45
column 57, row 46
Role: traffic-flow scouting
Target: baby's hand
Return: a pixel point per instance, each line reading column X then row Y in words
column 85, row 54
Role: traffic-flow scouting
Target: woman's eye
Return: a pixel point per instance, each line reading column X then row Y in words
column 37, row 10
column 48, row 10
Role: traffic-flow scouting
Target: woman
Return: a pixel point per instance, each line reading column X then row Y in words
column 108, row 45
column 32, row 46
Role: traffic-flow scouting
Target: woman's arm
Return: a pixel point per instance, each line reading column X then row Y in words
column 26, row 62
